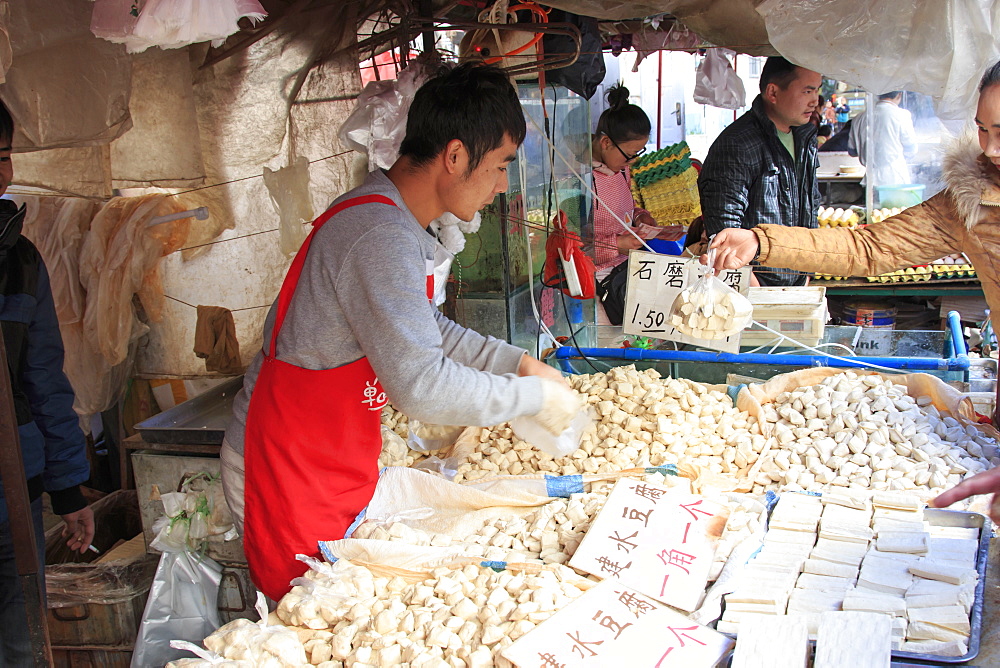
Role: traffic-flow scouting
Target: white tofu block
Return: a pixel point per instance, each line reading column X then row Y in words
column 823, row 583
column 927, row 631
column 885, row 577
column 951, row 617
column 962, row 550
column 793, row 524
column 849, row 515
column 855, row 639
column 829, row 568
column 899, row 627
column 811, row 600
column 960, row 597
column 772, row 597
column 899, row 515
column 867, row 600
column 935, row 647
column 772, row 642
column 902, row 541
column 790, row 536
column 894, row 559
column 944, row 571
column 954, row 532
column 838, row 556
column 897, row 501
column 847, row 500
column 849, row 532
column 760, row 608
column 727, row 626
column 891, row 524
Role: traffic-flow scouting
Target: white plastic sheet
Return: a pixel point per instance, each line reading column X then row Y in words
column 717, row 83
column 182, row 605
column 936, row 47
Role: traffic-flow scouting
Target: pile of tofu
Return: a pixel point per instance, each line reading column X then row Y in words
column 863, row 552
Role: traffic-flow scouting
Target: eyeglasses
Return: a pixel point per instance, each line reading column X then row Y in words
column 628, row 158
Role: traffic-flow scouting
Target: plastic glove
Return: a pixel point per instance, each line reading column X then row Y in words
column 560, row 405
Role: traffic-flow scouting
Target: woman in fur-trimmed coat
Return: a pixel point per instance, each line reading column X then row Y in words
column 962, row 218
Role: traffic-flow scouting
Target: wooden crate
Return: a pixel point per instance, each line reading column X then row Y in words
column 91, row 657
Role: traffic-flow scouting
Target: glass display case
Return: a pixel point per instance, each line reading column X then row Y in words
column 497, row 278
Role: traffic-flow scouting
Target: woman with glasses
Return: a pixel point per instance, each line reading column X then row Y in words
column 622, row 133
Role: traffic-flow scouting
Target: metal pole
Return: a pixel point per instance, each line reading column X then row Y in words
column 427, row 12
column 19, row 520
column 659, row 100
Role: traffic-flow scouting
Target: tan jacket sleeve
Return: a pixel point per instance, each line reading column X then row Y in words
column 918, row 235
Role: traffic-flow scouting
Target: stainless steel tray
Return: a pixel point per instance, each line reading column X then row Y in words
column 958, row 518
column 201, row 420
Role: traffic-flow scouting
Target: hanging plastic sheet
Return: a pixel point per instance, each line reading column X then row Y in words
column 936, row 47
column 289, row 191
column 717, row 83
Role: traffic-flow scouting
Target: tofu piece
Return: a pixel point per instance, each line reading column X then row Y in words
column 868, row 600
column 892, row 524
column 927, row 631
column 794, row 536
column 902, row 541
column 899, row 515
column 936, row 647
column 824, row 583
column 855, row 639
column 899, row 628
column 772, row 642
column 774, row 597
column 961, row 550
column 951, row 617
column 954, row 532
column 829, row 568
column 727, row 626
column 885, row 575
column 847, row 500
column 811, row 600
column 929, row 593
column 849, row 515
column 845, row 531
column 760, row 608
column 837, row 556
column 944, row 571
column 897, row 501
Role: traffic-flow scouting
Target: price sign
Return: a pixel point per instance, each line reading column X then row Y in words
column 655, row 281
column 614, row 625
column 657, row 540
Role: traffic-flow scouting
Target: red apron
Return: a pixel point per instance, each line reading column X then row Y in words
column 311, row 448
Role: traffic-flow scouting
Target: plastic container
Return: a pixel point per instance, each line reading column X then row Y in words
column 664, row 247
column 902, row 195
column 799, row 313
column 870, row 314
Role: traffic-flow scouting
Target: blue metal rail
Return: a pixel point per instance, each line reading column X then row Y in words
column 953, row 361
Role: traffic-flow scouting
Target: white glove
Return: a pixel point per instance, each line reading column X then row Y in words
column 560, row 404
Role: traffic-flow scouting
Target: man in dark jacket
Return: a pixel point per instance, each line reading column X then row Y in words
column 52, row 445
column 762, row 168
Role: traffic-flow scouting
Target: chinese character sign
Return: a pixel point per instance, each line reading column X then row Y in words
column 656, row 540
column 614, row 625
column 654, row 281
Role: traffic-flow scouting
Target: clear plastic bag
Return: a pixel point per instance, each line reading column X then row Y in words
column 259, row 643
column 709, row 309
column 528, row 429
column 716, row 82
column 288, row 188
column 426, row 437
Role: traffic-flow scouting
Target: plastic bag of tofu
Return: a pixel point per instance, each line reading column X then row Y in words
column 710, row 309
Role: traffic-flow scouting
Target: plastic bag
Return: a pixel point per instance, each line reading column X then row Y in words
column 194, row 515
column 182, row 605
column 426, row 437
column 527, row 429
column 259, row 643
column 710, row 309
column 288, row 188
column 716, row 82
column 205, row 658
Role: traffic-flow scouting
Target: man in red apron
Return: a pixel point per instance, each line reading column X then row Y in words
column 353, row 328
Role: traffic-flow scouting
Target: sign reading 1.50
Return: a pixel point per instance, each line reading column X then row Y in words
column 653, row 322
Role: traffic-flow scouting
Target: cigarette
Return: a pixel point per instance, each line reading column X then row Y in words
column 93, row 549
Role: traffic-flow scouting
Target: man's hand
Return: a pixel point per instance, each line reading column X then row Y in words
column 627, row 242
column 984, row 483
column 734, row 248
column 529, row 366
column 79, row 529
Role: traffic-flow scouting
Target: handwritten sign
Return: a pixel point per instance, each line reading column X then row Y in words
column 657, row 540
column 615, row 625
column 654, row 281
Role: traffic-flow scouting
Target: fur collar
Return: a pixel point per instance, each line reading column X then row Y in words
column 972, row 181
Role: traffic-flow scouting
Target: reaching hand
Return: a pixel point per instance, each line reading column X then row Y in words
column 79, row 529
column 529, row 366
column 984, row 483
column 627, row 242
column 734, row 248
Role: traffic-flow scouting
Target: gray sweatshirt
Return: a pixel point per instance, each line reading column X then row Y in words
column 362, row 293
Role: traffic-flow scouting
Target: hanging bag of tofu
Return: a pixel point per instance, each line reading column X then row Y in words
column 710, row 309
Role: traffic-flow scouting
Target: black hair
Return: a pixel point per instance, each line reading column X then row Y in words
column 622, row 121
column 891, row 95
column 825, row 131
column 475, row 104
column 991, row 77
column 778, row 71
column 6, row 124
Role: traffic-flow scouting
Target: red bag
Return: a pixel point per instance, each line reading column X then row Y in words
column 567, row 267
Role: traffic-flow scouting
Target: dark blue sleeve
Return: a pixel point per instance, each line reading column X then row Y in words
column 724, row 185
column 51, row 396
